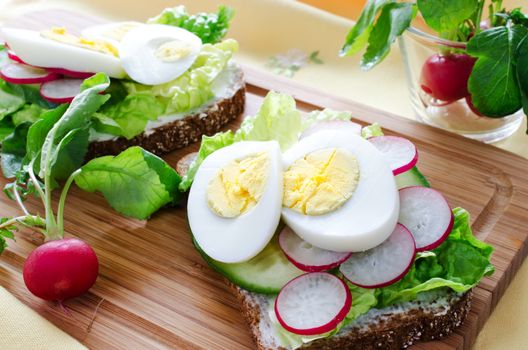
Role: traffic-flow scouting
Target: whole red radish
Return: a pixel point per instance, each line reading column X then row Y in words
column 61, row 269
column 445, row 77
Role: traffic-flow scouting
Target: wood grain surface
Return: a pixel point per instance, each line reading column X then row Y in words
column 155, row 291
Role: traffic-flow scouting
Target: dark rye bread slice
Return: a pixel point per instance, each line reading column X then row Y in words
column 433, row 315
column 182, row 132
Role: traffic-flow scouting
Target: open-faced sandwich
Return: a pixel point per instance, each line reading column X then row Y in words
column 173, row 78
column 329, row 233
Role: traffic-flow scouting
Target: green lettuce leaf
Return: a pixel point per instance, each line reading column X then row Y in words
column 129, row 117
column 210, row 27
column 459, row 264
column 326, row 114
column 119, row 177
column 277, row 119
column 371, row 131
column 30, row 113
column 10, row 101
column 209, row 145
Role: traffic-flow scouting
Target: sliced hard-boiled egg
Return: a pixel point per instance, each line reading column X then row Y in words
column 110, row 32
column 234, row 204
column 56, row 48
column 339, row 192
column 154, row 54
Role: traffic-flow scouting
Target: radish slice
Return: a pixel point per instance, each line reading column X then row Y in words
column 13, row 57
column 71, row 73
column 17, row 73
column 307, row 257
column 401, row 153
column 314, row 303
column 332, row 125
column 61, row 91
column 426, row 213
column 383, row 265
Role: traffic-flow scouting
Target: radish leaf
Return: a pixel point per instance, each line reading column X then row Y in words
column 493, row 83
column 136, row 183
column 77, row 116
column 358, row 36
column 394, row 19
column 14, row 150
column 38, row 131
column 70, row 153
column 522, row 72
column 444, row 16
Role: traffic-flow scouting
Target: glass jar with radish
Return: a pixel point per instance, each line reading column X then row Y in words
column 465, row 60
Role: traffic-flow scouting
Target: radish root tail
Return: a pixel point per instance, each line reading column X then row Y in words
column 92, row 320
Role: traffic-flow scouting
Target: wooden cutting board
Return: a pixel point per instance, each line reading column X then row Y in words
column 155, row 291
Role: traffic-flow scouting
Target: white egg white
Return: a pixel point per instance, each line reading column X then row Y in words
column 103, row 31
column 38, row 51
column 138, row 53
column 238, row 239
column 368, row 217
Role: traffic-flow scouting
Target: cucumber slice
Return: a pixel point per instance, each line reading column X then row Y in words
column 266, row 273
column 412, row 177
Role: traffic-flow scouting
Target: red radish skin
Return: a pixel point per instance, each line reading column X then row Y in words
column 396, row 278
column 324, row 328
column 16, row 73
column 70, row 73
column 406, row 219
column 445, row 77
column 471, row 106
column 401, row 153
column 13, row 57
column 291, row 246
column 61, row 269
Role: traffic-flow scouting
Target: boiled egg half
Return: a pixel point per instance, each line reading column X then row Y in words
column 339, row 192
column 154, row 54
column 234, row 205
column 112, row 33
column 56, row 48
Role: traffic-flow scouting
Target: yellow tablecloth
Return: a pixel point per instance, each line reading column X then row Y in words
column 23, row 329
column 264, row 29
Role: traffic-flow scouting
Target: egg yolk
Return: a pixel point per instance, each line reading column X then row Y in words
column 321, row 182
column 238, row 186
column 60, row 34
column 172, row 51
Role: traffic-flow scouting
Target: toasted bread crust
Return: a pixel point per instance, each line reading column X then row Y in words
column 395, row 331
column 179, row 133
